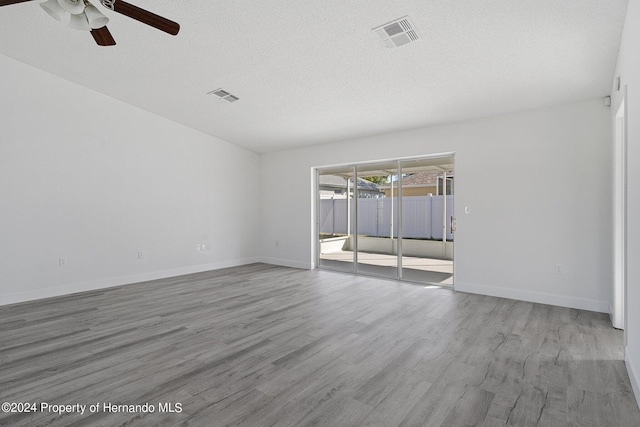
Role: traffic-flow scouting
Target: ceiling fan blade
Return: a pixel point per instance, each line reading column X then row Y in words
column 103, row 37
column 146, row 17
column 8, row 2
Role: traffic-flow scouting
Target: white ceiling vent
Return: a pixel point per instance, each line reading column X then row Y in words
column 397, row 33
column 223, row 95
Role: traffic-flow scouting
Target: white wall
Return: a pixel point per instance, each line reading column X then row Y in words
column 94, row 180
column 560, row 155
column 628, row 68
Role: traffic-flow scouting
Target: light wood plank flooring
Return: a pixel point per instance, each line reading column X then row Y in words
column 269, row 346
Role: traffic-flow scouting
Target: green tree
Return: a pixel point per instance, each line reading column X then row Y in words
column 376, row 179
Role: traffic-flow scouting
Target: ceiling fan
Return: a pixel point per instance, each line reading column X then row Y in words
column 85, row 16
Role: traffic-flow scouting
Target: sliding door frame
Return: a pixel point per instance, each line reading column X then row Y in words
column 354, row 221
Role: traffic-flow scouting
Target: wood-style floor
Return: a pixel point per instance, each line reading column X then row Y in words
column 269, row 346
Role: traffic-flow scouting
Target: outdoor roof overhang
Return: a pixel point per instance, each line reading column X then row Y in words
column 439, row 164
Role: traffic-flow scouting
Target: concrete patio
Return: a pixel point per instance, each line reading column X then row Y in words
column 414, row 269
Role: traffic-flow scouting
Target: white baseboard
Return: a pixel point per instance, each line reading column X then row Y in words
column 611, row 310
column 613, row 323
column 287, row 263
column 117, row 281
column 634, row 373
column 530, row 296
column 613, row 320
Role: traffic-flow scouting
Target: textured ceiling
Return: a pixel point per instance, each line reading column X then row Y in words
column 308, row 72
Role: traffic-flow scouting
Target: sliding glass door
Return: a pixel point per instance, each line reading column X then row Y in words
column 427, row 220
column 391, row 219
column 377, row 224
column 336, row 212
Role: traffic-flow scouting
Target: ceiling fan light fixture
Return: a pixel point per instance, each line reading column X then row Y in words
column 53, row 8
column 95, row 18
column 84, row 16
column 74, row 7
column 79, row 22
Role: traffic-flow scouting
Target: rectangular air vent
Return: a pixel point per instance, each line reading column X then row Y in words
column 223, row 95
column 397, row 33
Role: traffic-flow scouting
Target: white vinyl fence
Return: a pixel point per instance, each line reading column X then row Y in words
column 421, row 216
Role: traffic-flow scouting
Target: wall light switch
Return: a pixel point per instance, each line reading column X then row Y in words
column 198, row 247
column 467, row 210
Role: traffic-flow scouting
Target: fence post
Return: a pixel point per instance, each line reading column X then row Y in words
column 333, row 216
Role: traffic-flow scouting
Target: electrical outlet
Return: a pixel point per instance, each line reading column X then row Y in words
column 62, row 262
column 559, row 269
column 141, row 255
